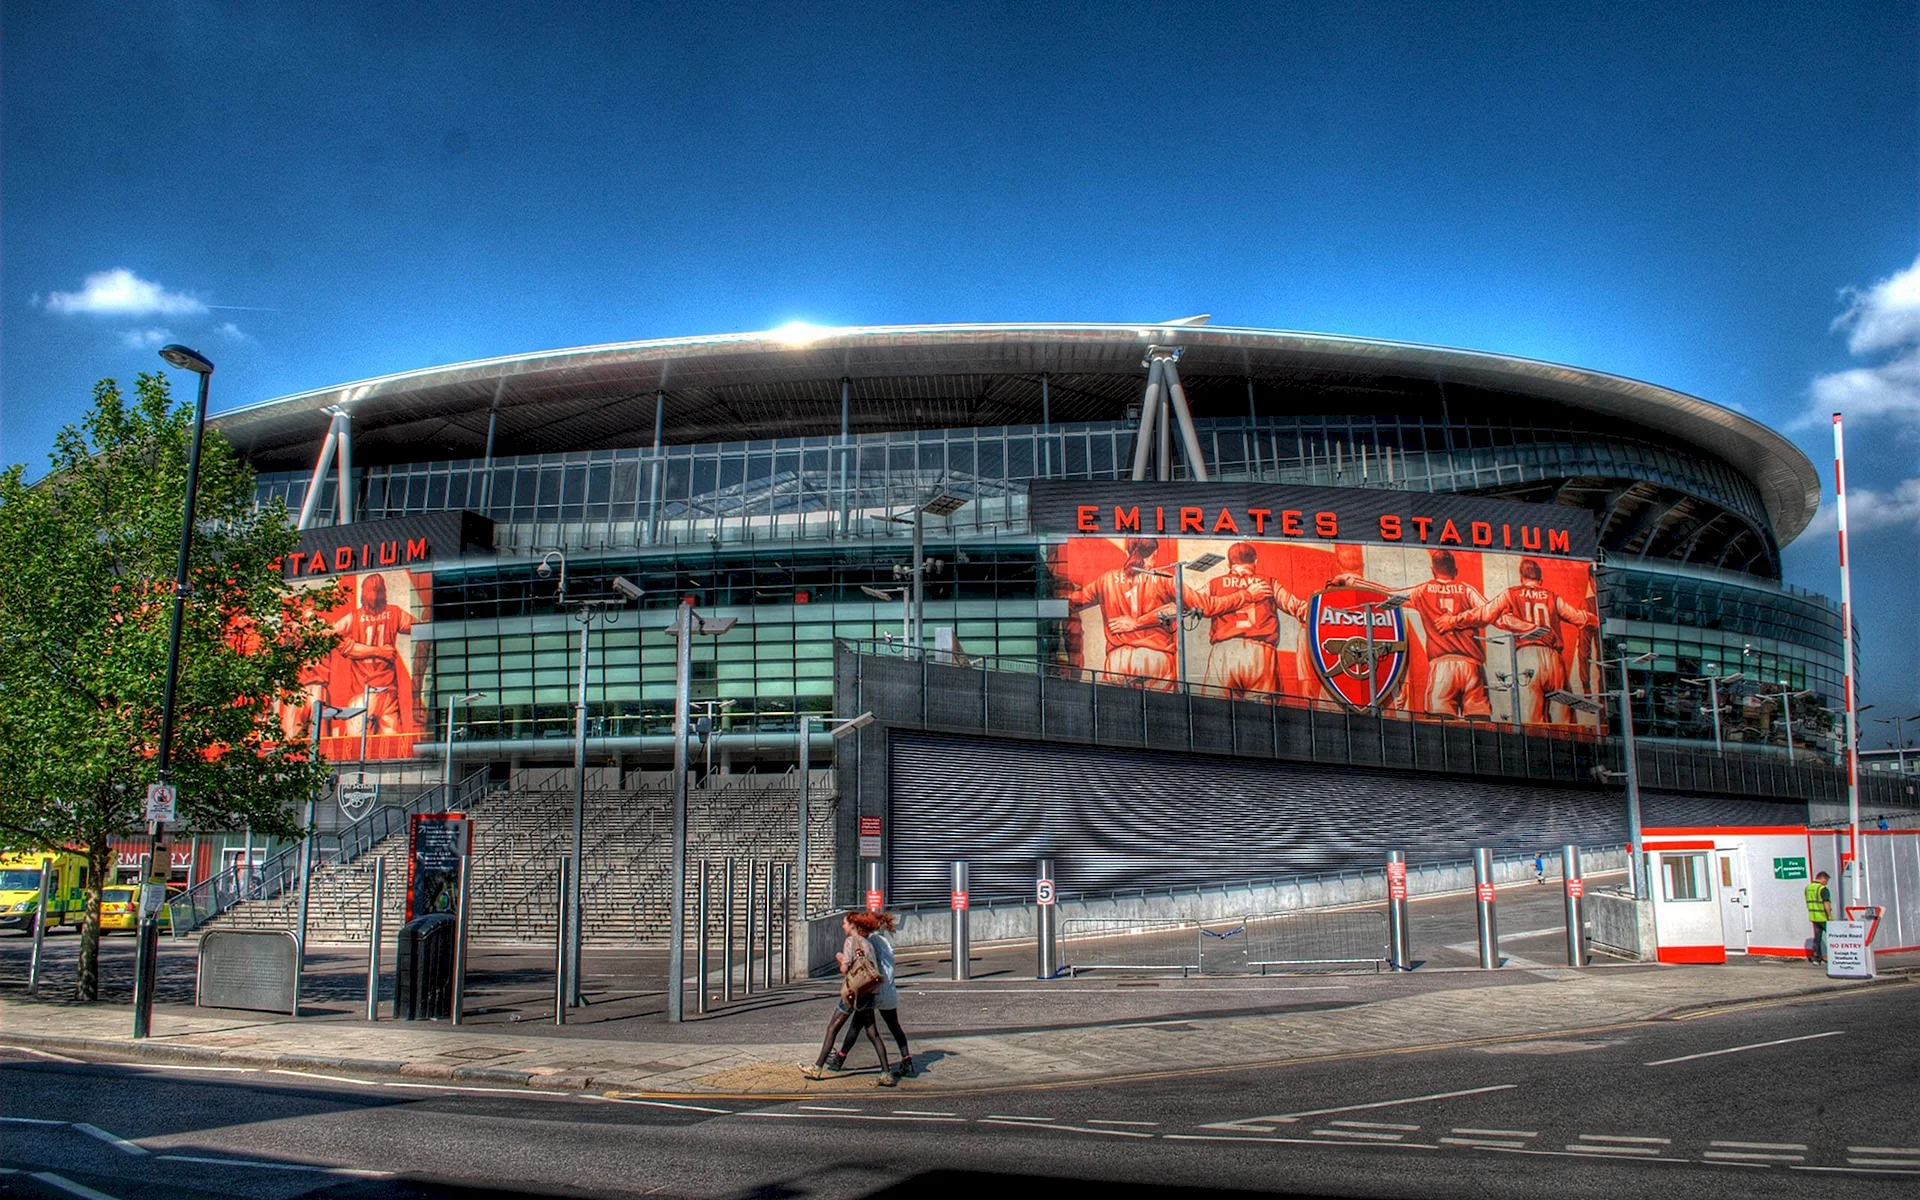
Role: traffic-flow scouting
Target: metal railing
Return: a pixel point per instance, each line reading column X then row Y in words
column 1119, row 944
column 1243, row 945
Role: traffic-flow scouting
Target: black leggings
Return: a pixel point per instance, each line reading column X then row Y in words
column 864, row 1020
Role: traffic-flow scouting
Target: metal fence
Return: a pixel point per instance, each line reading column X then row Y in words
column 1254, row 944
column 1117, row 944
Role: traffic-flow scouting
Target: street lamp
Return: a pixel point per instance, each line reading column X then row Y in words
column 452, row 703
column 322, row 713
column 941, row 504
column 838, row 729
column 1713, row 683
column 1899, row 738
column 686, row 624
column 1205, row 562
column 906, row 607
column 1632, row 765
column 545, row 570
column 607, row 610
column 147, row 957
column 1786, row 709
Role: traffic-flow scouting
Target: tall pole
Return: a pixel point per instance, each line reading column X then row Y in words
column 147, row 959
column 446, row 780
column 806, row 795
column 1862, row 892
column 682, row 696
column 574, row 990
column 1713, row 698
column 1180, row 622
column 1632, row 765
column 919, row 580
column 1786, row 708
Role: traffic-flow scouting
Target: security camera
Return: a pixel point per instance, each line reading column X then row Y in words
column 627, row 587
column 543, row 570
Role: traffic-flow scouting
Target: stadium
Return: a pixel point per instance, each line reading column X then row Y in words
column 792, row 480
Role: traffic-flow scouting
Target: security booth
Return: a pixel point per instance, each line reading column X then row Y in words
column 1687, row 920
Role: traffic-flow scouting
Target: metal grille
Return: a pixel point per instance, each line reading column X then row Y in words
column 1345, row 938
column 1118, row 944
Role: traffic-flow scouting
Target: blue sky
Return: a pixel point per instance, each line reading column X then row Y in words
column 1718, row 198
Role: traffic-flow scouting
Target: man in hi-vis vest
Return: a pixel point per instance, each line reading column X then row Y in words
column 1819, row 911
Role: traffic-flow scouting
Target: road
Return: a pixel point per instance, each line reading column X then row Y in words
column 1785, row 1099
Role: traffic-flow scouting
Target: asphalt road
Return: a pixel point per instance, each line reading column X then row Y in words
column 1787, row 1099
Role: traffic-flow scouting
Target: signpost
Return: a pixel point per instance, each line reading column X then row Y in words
column 163, row 802
column 870, row 835
column 1850, row 944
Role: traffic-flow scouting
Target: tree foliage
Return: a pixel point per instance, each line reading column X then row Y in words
column 87, row 560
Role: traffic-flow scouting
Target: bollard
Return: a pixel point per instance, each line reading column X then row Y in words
column 1483, row 903
column 766, row 931
column 1576, row 886
column 786, row 922
column 726, row 935
column 460, row 939
column 39, row 927
column 876, row 895
column 373, row 938
column 753, row 870
column 1398, row 940
column 702, row 952
column 560, row 950
column 961, row 948
column 1045, row 937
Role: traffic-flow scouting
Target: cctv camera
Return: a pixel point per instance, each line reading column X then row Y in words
column 543, row 570
column 627, row 587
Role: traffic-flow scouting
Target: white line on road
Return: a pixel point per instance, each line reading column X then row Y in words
column 42, row 1054
column 1015, row 1117
column 1488, row 1142
column 1572, row 1152
column 1629, row 1140
column 662, row 1104
column 1737, row 1049
column 111, row 1139
column 826, row 1108
column 274, row 1166
column 70, row 1187
column 800, row 1116
column 28, row 1120
column 1500, row 1133
column 1758, row 1145
column 1882, row 1150
column 1289, row 1118
column 1364, row 1134
column 921, row 1112
column 1293, row 1141
column 1373, row 1125
column 1031, row 1124
column 1141, row 1124
column 1751, row 1156
column 1855, row 1170
column 317, row 1075
column 1588, row 1149
column 133, row 1066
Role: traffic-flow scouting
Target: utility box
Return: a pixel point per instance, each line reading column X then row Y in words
column 423, row 975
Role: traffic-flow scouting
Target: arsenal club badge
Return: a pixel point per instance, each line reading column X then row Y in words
column 1359, row 644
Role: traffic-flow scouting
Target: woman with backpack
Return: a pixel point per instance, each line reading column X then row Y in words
column 860, row 978
column 886, row 998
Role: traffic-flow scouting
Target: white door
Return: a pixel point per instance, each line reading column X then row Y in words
column 1736, row 912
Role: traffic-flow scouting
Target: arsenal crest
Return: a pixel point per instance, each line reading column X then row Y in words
column 1359, row 644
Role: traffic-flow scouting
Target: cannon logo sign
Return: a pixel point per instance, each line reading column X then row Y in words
column 1413, row 605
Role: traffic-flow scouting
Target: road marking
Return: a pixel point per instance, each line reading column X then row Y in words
column 1878, row 1150
column 1737, row 1049
column 451, row 1087
column 317, row 1075
column 29, row 1121
column 42, row 1054
column 1500, row 1133
column 1293, row 1141
column 1359, row 1133
column 274, row 1166
column 1752, row 1156
column 1012, row 1117
column 1289, row 1118
column 1043, row 1124
column 134, row 1066
column 1632, row 1141
column 111, row 1139
column 663, row 1104
column 70, row 1187
column 1486, row 1142
column 1591, row 1152
column 1758, row 1145
column 826, row 1108
column 921, row 1112
column 1141, row 1124
column 1855, row 1170
column 1582, row 1149
column 1884, row 1162
column 1373, row 1125
column 800, row 1116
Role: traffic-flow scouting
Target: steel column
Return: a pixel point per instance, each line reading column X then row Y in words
column 39, row 927
column 1483, row 890
column 752, row 914
column 461, row 922
column 726, row 934
column 703, row 946
column 1574, row 884
column 1046, row 937
column 560, row 950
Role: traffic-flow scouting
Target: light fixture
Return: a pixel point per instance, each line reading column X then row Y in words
column 186, row 359
column 626, row 587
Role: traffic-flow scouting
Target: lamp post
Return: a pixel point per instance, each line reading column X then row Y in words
column 147, row 957
column 1635, row 875
column 1713, row 683
column 322, row 713
column 1899, row 738
column 1787, row 698
column 838, row 729
column 941, row 504
column 685, row 625
column 1205, row 562
column 454, row 702
column 906, row 607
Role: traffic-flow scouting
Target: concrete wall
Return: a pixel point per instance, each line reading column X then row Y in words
column 1619, row 925
column 1016, row 922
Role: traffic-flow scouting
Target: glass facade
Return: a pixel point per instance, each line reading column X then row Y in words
column 785, row 534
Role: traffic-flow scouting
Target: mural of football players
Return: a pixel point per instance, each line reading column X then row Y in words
column 1243, row 652
column 1456, row 658
column 1534, row 614
column 1131, row 599
column 370, row 642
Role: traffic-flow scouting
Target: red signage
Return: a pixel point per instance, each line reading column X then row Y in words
column 1576, row 887
column 959, row 901
column 875, row 901
column 1396, row 872
column 869, row 826
column 1396, row 889
column 1485, row 892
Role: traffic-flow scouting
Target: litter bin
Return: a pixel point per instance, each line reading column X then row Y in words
column 423, row 976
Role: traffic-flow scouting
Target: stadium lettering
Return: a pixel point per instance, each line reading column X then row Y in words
column 371, row 554
column 1127, row 518
column 1185, row 521
column 1558, row 542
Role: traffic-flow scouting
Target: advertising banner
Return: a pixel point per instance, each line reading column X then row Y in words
column 437, row 849
column 1414, row 605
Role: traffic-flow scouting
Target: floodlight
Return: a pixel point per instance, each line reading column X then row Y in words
column 877, row 594
column 626, row 587
column 943, row 504
column 1206, row 562
column 717, row 625
column 852, row 723
column 1576, row 702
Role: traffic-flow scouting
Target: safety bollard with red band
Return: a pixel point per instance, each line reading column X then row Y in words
column 1483, row 903
column 962, row 945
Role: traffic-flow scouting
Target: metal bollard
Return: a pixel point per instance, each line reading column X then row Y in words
column 1398, row 939
column 1576, row 887
column 1483, row 892
column 1045, row 937
column 753, row 873
column 876, row 895
column 766, row 932
column 786, row 922
column 961, row 946
column 702, row 948
column 460, row 939
column 560, row 950
column 726, row 935
column 373, row 938
column 39, row 927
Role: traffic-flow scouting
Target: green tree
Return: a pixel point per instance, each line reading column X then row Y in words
column 87, row 560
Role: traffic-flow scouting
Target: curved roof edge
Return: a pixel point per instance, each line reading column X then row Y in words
column 1785, row 477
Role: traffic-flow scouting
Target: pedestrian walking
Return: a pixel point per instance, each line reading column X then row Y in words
column 1819, row 911
column 1539, row 868
column 886, row 997
column 860, row 978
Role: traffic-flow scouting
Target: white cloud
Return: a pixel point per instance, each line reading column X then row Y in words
column 232, row 332
column 1881, row 319
column 120, row 292
column 145, row 339
column 1869, row 509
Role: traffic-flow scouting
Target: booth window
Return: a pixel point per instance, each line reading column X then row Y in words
column 1684, row 876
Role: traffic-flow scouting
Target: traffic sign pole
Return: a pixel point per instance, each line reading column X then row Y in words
column 1044, row 934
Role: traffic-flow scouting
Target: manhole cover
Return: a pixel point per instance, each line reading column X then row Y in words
column 478, row 1053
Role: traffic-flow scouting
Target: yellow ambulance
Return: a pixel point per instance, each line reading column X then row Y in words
column 20, row 889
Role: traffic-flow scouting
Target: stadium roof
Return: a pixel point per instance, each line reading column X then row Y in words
column 786, row 383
